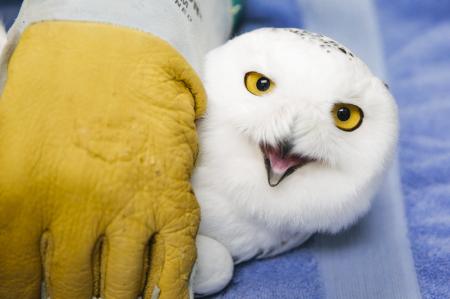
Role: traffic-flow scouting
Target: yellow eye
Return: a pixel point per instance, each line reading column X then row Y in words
column 258, row 84
column 347, row 117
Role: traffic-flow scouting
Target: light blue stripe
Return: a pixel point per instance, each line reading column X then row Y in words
column 373, row 259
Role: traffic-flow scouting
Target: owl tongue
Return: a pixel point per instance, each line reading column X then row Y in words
column 280, row 163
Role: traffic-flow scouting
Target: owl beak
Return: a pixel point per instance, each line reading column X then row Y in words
column 280, row 162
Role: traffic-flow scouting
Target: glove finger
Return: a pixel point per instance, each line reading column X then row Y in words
column 154, row 265
column 172, row 258
column 123, row 262
column 68, row 264
column 20, row 263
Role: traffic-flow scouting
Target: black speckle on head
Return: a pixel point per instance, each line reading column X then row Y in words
column 322, row 41
column 386, row 85
column 342, row 50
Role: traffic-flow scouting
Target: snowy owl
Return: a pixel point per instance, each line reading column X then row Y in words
column 297, row 136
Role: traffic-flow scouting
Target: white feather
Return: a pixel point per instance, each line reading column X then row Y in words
column 312, row 73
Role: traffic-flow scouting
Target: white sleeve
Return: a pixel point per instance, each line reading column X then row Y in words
column 193, row 27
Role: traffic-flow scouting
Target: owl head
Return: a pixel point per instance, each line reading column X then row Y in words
column 298, row 130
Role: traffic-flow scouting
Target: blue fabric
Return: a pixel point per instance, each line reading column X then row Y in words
column 9, row 10
column 269, row 13
column 416, row 38
column 281, row 277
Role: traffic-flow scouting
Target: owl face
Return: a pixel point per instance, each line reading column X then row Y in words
column 298, row 128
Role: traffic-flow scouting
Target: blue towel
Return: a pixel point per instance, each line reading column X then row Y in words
column 417, row 39
column 8, row 11
column 402, row 248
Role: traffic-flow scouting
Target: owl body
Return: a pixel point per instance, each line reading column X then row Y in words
column 296, row 139
column 245, row 237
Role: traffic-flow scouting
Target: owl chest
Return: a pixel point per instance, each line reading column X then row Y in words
column 257, row 242
column 247, row 239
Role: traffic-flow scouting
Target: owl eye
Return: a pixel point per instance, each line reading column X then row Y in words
column 258, row 84
column 347, row 117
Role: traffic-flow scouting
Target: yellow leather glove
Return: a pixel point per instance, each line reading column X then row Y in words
column 97, row 145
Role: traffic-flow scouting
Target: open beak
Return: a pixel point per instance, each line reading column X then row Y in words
column 280, row 162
